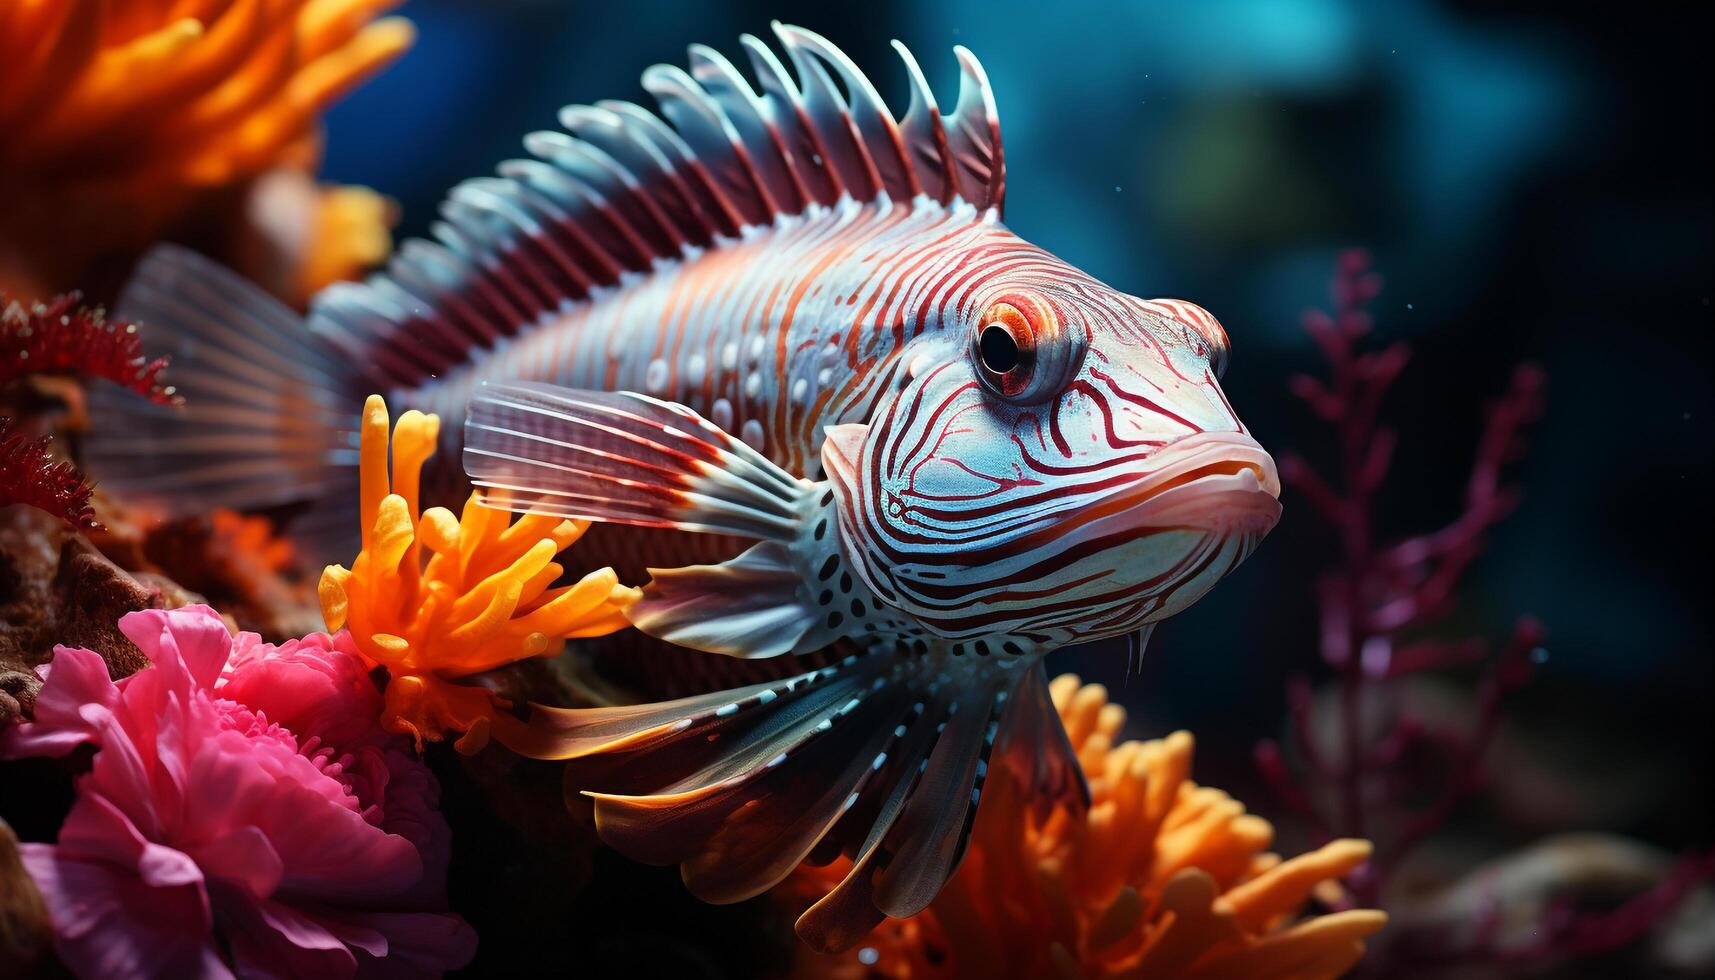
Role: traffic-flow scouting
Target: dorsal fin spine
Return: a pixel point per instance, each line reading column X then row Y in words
column 744, row 107
column 924, row 114
column 607, row 265
column 625, row 190
column 830, row 116
column 558, row 172
column 479, row 196
column 976, row 107
column 422, row 253
column 717, row 210
column 677, row 92
column 402, row 301
column 511, row 297
column 556, row 231
column 779, row 88
column 603, row 131
column 878, row 133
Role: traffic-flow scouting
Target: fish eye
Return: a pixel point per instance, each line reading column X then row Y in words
column 1004, row 346
column 998, row 348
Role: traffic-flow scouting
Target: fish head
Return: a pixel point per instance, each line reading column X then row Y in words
column 1058, row 465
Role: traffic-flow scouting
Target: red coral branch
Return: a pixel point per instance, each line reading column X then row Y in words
column 1377, row 605
column 62, row 337
column 29, row 475
column 1381, row 592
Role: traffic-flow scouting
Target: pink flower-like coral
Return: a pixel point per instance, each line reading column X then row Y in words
column 244, row 813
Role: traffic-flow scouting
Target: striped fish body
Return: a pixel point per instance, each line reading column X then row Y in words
column 778, row 315
column 791, row 328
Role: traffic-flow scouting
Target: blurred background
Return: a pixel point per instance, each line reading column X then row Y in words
column 1533, row 180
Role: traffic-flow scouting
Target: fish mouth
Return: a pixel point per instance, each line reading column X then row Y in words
column 1215, row 482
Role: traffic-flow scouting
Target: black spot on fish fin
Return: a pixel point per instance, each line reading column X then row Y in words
column 626, row 458
column 929, row 839
column 270, row 412
column 841, row 918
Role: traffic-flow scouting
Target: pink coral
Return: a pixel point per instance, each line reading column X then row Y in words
column 243, row 813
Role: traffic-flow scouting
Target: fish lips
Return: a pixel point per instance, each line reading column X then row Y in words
column 1219, row 483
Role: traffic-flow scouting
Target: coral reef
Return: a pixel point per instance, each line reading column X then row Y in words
column 316, row 234
column 237, row 561
column 243, row 813
column 1161, row 877
column 434, row 598
column 56, row 588
column 63, row 337
column 125, row 121
column 29, row 474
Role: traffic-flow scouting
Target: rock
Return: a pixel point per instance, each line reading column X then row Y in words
column 57, row 588
column 25, row 932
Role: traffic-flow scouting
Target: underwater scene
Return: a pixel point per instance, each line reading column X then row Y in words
column 891, row 491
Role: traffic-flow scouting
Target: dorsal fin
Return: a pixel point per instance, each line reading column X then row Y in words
column 623, row 188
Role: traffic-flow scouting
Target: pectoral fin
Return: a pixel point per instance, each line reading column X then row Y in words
column 625, row 458
column 753, row 606
column 632, row 459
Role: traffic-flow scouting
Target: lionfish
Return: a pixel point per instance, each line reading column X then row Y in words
column 780, row 316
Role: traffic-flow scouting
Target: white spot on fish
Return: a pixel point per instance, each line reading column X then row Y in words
column 800, row 388
column 752, row 434
column 756, row 347
column 695, row 369
column 729, row 355
column 655, row 378
column 720, row 413
column 825, row 377
column 753, row 385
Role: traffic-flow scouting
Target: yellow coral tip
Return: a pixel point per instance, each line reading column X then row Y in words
column 476, row 739
column 438, row 529
column 331, row 593
column 394, row 645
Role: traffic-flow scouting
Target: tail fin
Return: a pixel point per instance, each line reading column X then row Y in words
column 268, row 415
column 880, row 756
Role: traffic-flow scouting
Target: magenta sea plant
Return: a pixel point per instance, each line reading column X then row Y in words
column 1380, row 605
column 1378, row 601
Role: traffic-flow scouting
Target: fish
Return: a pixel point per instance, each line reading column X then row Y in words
column 786, row 338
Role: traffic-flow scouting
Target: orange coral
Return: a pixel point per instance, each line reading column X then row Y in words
column 115, row 117
column 481, row 600
column 348, row 236
column 251, row 535
column 1162, row 878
